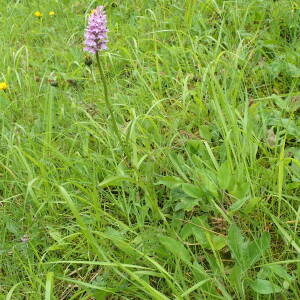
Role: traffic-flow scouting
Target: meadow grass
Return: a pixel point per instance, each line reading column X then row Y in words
column 206, row 96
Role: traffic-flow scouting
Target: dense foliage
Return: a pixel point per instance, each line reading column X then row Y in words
column 206, row 203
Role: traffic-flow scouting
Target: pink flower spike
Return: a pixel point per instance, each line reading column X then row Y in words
column 96, row 32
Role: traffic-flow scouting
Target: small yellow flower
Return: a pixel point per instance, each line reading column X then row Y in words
column 51, row 13
column 92, row 11
column 3, row 86
column 38, row 14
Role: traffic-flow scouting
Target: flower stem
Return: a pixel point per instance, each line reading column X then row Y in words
column 109, row 106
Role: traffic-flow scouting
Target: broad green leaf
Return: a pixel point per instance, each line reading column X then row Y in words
column 293, row 70
column 219, row 242
column 186, row 204
column 178, row 164
column 194, row 146
column 170, row 181
column 186, row 231
column 56, row 235
column 224, row 175
column 199, row 224
column 240, row 189
column 205, row 132
column 271, row 270
column 246, row 254
column 205, row 237
column 175, row 247
column 207, row 183
column 279, row 102
column 193, row 190
column 213, row 262
column 265, row 287
column 256, row 249
column 200, row 237
column 176, row 194
column 237, row 205
column 177, row 220
column 236, row 244
column 236, row 277
column 250, row 206
column 117, row 238
column 100, row 295
column 280, row 271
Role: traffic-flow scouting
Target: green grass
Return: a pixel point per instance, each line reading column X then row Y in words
column 206, row 205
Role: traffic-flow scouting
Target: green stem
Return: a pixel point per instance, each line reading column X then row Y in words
column 109, row 106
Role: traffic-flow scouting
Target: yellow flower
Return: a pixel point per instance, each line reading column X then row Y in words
column 38, row 14
column 3, row 86
column 51, row 13
column 92, row 11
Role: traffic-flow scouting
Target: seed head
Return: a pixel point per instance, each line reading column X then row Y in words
column 96, row 32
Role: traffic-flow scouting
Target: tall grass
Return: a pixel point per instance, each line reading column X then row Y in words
column 206, row 95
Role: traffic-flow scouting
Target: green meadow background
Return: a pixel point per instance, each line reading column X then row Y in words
column 205, row 204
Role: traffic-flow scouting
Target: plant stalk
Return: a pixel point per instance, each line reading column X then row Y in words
column 108, row 104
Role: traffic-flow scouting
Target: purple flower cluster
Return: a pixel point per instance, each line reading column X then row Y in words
column 96, row 32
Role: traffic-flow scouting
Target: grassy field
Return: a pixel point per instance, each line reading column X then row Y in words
column 204, row 201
